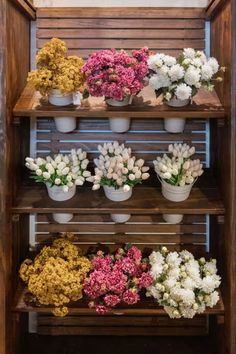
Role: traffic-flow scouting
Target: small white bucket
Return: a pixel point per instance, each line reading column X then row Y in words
column 65, row 124
column 120, row 218
column 57, row 98
column 115, row 103
column 174, row 125
column 175, row 102
column 173, row 218
column 62, row 218
column 117, row 195
column 175, row 193
column 119, row 125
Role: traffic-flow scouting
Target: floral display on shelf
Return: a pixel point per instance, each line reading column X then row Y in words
column 117, row 278
column 177, row 168
column 183, row 285
column 56, row 70
column 60, row 170
column 117, row 168
column 182, row 77
column 55, row 277
column 116, row 74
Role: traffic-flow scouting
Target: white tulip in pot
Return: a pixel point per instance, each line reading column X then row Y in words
column 61, row 174
column 118, row 172
column 177, row 173
column 179, row 79
column 59, row 77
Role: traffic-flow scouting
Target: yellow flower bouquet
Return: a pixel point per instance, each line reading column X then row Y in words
column 55, row 277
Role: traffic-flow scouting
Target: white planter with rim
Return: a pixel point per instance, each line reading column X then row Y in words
column 175, row 125
column 56, row 193
column 173, row 218
column 118, row 195
column 119, row 124
column 175, row 193
column 57, row 98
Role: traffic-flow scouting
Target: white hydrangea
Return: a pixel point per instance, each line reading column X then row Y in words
column 192, row 76
column 213, row 63
column 176, row 72
column 189, row 53
column 159, row 80
column 206, row 72
column 183, row 92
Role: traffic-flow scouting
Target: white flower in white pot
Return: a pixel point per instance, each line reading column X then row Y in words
column 185, row 286
column 118, row 172
column 178, row 80
column 177, row 173
column 61, row 174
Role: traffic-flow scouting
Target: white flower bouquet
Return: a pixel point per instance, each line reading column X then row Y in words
column 63, row 171
column 183, row 285
column 117, row 168
column 181, row 78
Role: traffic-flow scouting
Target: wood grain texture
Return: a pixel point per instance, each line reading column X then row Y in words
column 26, row 8
column 145, row 105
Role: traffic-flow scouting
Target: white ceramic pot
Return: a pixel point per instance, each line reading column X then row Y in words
column 120, row 218
column 175, row 102
column 174, row 125
column 175, row 193
column 119, row 124
column 56, row 193
column 65, row 124
column 173, row 218
column 57, row 98
column 117, row 195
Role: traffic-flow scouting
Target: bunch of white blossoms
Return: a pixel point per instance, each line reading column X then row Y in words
column 177, row 168
column 115, row 167
column 182, row 77
column 61, row 170
column 183, row 285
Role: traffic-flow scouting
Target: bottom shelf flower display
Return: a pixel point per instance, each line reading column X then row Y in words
column 175, row 281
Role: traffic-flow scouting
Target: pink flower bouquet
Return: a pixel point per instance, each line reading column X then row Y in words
column 117, row 278
column 115, row 74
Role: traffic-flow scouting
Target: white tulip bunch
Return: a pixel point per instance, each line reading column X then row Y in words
column 182, row 77
column 183, row 285
column 115, row 167
column 178, row 169
column 61, row 170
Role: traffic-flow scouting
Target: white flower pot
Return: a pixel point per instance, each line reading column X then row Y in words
column 174, row 125
column 65, row 124
column 56, row 193
column 175, row 193
column 57, row 98
column 117, row 195
column 119, row 124
column 175, row 102
column 120, row 218
column 173, row 218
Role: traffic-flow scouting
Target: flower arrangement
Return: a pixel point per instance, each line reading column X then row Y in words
column 56, row 70
column 178, row 169
column 60, row 170
column 117, row 168
column 117, row 278
column 183, row 285
column 55, row 277
column 115, row 74
column 181, row 78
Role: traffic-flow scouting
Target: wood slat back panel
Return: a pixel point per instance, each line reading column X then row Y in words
column 89, row 29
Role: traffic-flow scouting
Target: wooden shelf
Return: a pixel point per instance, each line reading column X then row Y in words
column 146, row 199
column 145, row 105
column 145, row 307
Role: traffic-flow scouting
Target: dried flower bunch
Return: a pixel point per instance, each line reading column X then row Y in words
column 117, row 278
column 182, row 77
column 183, row 285
column 117, row 168
column 56, row 70
column 115, row 74
column 178, row 169
column 55, row 277
column 61, row 170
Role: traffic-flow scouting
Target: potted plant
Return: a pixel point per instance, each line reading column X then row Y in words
column 61, row 174
column 117, row 278
column 185, row 286
column 59, row 77
column 117, row 76
column 178, row 80
column 55, row 276
column 177, row 173
column 118, row 172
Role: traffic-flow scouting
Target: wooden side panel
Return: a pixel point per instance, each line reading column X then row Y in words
column 223, row 48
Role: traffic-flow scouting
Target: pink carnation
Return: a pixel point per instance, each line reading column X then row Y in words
column 131, row 297
column 129, row 266
column 112, row 300
column 135, row 254
column 101, row 309
column 145, row 280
